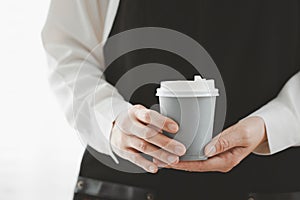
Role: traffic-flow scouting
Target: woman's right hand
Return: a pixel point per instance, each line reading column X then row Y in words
column 139, row 130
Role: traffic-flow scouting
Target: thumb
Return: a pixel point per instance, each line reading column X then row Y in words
column 221, row 143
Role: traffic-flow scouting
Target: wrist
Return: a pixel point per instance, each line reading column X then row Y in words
column 262, row 129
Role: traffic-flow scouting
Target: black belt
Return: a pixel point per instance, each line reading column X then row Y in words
column 274, row 196
column 90, row 189
column 96, row 189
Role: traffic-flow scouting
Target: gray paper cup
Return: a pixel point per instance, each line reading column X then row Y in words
column 192, row 105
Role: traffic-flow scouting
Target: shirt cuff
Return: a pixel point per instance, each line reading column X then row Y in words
column 281, row 128
column 106, row 113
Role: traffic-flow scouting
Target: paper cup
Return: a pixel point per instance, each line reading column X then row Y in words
column 192, row 105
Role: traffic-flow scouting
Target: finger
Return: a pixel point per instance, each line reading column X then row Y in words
column 155, row 152
column 137, row 159
column 154, row 118
column 212, row 164
column 223, row 142
column 197, row 166
column 167, row 144
column 160, row 163
column 222, row 163
column 136, row 128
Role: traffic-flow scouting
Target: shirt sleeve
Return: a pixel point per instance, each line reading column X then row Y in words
column 73, row 38
column 282, row 119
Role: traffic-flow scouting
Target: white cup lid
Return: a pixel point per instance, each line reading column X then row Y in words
column 199, row 87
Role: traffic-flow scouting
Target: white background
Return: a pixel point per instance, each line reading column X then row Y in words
column 39, row 153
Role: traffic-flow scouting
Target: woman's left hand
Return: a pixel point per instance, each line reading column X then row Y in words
column 227, row 149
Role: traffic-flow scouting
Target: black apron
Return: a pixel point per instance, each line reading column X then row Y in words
column 255, row 45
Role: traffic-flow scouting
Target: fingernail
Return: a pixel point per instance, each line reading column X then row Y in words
column 152, row 169
column 211, row 151
column 172, row 127
column 179, row 150
column 172, row 159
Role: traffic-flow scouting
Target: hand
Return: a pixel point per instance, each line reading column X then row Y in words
column 227, row 149
column 138, row 130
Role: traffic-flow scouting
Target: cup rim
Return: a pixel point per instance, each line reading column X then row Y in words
column 167, row 93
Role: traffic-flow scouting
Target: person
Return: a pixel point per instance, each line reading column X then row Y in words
column 256, row 46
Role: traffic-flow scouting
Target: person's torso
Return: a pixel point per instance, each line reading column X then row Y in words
column 255, row 45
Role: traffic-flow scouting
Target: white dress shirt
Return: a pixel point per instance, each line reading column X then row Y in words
column 75, row 27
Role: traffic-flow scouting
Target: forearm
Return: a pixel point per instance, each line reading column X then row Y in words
column 73, row 39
